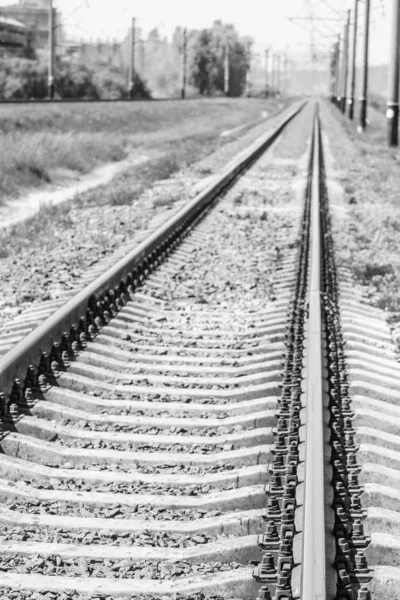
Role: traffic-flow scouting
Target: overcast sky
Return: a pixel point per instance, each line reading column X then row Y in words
column 266, row 21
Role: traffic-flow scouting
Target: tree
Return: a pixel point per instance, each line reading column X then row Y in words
column 22, row 79
column 207, row 60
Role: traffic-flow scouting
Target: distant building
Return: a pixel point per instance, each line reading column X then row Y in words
column 35, row 15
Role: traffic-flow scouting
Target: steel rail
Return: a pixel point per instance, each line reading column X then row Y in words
column 28, row 352
column 313, row 579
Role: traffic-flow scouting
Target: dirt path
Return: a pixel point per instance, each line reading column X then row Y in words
column 18, row 209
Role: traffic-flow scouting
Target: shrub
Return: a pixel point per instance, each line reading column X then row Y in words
column 23, row 79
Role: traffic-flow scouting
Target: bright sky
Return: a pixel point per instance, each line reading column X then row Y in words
column 262, row 19
column 266, row 21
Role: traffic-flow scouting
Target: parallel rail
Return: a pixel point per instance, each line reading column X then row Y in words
column 314, row 560
column 333, row 560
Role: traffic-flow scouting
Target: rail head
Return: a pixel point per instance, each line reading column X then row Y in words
column 313, row 578
column 66, row 332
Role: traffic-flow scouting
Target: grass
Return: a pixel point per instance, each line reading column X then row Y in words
column 38, row 139
column 370, row 244
column 28, row 160
column 128, row 118
column 376, row 130
column 129, row 185
column 51, row 251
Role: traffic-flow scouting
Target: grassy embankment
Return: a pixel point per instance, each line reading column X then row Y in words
column 370, row 177
column 376, row 123
column 40, row 142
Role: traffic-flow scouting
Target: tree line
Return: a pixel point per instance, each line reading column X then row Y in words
column 158, row 68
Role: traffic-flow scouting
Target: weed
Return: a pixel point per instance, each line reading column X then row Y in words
column 38, row 139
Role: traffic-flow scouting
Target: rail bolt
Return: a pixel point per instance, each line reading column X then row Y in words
column 285, row 558
column 271, row 530
column 13, row 411
column 361, row 542
column 340, row 488
column 42, row 381
column 55, row 368
column 264, row 593
column 351, row 459
column 283, row 591
column 338, row 448
column 353, row 483
column 288, row 515
column 266, row 570
column 273, row 510
column 282, row 424
column 29, row 398
column 338, row 467
column 349, row 441
column 344, row 577
column 276, row 481
column 278, row 464
column 358, row 528
column 341, row 515
column 355, row 503
column 346, row 405
column 65, row 358
column 363, row 593
column 348, row 424
column 361, row 564
column 336, row 431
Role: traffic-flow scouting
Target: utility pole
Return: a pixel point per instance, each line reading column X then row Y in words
column 226, row 69
column 266, row 73
column 345, row 63
column 142, row 57
column 364, row 86
column 284, row 70
column 337, row 74
column 272, row 85
column 132, row 74
column 248, row 66
column 275, row 74
column 50, row 81
column 353, row 63
column 333, row 71
column 278, row 73
column 392, row 112
column 184, row 62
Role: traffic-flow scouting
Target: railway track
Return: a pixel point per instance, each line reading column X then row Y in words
column 184, row 426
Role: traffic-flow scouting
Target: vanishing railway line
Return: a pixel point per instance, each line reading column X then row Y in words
column 184, row 424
